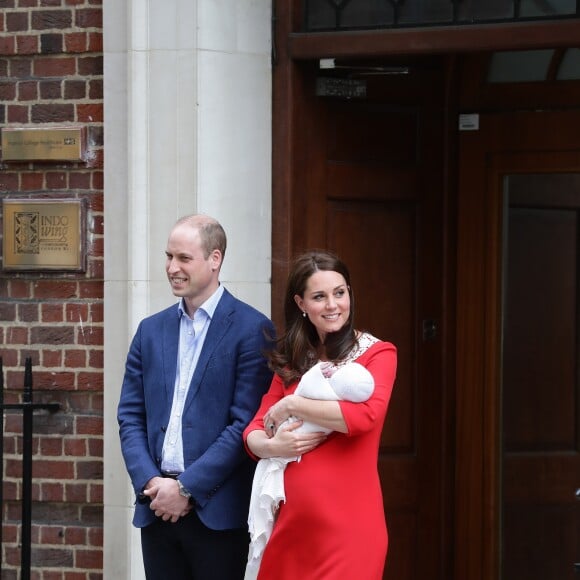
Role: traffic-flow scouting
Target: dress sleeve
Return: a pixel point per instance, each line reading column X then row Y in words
column 274, row 394
column 381, row 361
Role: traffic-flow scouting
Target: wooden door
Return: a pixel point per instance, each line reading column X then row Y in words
column 369, row 183
column 540, row 396
column 518, row 514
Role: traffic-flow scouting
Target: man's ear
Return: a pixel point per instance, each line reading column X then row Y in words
column 216, row 259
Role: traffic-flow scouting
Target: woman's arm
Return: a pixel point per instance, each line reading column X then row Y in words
column 327, row 414
column 286, row 443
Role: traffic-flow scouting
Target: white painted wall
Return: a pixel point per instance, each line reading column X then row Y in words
column 187, row 129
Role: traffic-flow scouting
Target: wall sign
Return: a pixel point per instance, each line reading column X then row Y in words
column 43, row 143
column 43, row 235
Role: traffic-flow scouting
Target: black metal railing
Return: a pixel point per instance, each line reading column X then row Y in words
column 27, row 407
column 339, row 15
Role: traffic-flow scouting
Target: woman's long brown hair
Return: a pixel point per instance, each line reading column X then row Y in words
column 298, row 348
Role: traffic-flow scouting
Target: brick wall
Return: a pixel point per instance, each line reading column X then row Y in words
column 51, row 75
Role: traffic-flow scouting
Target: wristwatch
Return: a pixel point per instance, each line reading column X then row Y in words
column 182, row 491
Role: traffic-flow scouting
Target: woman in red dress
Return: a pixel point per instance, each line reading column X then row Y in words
column 331, row 525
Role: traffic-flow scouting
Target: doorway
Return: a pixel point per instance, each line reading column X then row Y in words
column 540, row 402
column 519, row 222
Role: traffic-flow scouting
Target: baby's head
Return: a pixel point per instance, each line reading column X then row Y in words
column 352, row 382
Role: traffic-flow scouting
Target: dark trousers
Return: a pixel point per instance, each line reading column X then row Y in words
column 188, row 550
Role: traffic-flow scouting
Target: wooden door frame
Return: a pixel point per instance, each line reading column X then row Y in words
column 479, row 329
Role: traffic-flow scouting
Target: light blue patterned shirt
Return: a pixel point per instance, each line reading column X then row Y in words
column 192, row 333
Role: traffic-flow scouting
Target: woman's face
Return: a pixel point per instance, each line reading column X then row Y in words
column 326, row 302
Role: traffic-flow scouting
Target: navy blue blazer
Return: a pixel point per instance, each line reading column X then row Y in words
column 225, row 391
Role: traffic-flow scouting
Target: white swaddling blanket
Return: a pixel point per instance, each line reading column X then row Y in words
column 351, row 382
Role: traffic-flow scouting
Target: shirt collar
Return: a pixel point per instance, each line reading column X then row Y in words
column 208, row 306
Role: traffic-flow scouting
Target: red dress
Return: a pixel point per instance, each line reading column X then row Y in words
column 332, row 525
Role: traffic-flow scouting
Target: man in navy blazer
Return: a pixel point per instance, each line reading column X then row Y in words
column 194, row 378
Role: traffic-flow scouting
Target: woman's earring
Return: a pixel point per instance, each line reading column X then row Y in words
column 303, row 314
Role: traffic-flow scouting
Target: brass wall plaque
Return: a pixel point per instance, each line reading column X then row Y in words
column 43, row 235
column 43, row 143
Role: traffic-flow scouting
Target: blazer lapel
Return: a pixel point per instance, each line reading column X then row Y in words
column 170, row 345
column 218, row 327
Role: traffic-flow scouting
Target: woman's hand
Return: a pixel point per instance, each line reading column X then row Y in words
column 277, row 414
column 288, row 442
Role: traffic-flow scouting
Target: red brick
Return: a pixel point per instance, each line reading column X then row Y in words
column 17, row 335
column 98, row 180
column 31, row 181
column 51, row 312
column 75, row 42
column 96, row 248
column 54, row 66
column 21, row 68
column 96, row 495
column 27, row 312
column 17, row 114
column 89, row 335
column 95, row 159
column 9, row 356
column 50, row 446
column 95, row 447
column 52, row 358
column 95, row 43
column 27, row 44
column 90, row 289
column 88, row 381
column 8, row 181
column 76, row 447
column 60, row 470
column 7, row 45
column 89, row 470
column 89, row 559
column 52, row 335
column 89, row 18
column 75, row 359
column 58, row 557
column 96, row 89
column 90, row 66
column 75, row 535
column 77, row 312
column 19, row 289
column 90, row 113
column 78, row 180
column 97, row 226
column 51, row 89
column 95, row 536
column 96, row 359
column 61, row 381
column 27, row 91
column 56, row 180
column 7, row 91
column 51, row 19
column 16, row 21
column 76, row 492
column 55, row 289
column 89, row 425
column 7, row 311
column 52, row 113
column 52, row 535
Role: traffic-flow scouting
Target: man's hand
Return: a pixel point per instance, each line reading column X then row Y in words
column 166, row 501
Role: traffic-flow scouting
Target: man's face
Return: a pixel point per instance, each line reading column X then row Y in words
column 190, row 274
